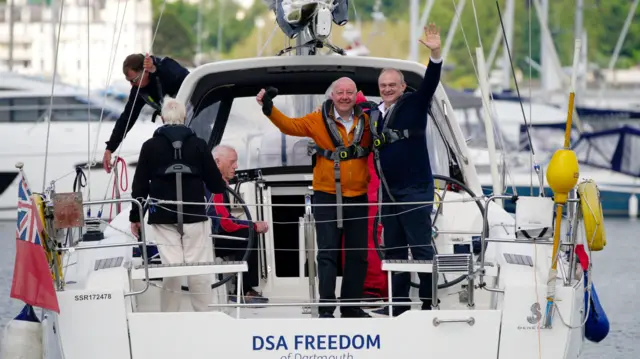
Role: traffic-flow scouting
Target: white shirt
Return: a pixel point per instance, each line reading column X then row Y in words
column 348, row 123
column 383, row 108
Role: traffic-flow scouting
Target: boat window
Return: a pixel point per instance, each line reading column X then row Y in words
column 438, row 150
column 203, row 122
column 25, row 109
column 5, row 112
column 35, row 109
column 260, row 144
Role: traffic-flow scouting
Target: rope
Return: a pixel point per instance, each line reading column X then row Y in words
column 80, row 181
column 124, row 185
column 53, row 85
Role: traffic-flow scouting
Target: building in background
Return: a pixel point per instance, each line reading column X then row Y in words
column 35, row 34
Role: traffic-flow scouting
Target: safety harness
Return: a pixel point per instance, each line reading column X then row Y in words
column 342, row 152
column 387, row 136
column 177, row 136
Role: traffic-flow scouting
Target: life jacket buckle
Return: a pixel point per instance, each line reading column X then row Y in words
column 344, row 154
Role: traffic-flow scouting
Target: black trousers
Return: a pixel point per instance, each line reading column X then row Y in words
column 236, row 248
column 329, row 238
column 409, row 227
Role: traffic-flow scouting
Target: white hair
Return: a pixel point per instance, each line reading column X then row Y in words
column 173, row 112
column 221, row 150
column 330, row 90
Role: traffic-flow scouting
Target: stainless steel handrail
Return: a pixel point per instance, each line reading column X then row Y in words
column 113, row 245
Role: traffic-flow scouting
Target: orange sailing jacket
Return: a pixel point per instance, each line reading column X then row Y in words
column 354, row 173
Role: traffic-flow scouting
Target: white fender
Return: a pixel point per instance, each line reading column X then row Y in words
column 22, row 340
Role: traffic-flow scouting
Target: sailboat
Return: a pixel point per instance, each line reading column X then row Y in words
column 492, row 268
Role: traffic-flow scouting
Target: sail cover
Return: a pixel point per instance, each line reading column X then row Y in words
column 615, row 149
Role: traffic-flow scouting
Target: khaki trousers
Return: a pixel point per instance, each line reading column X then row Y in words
column 195, row 246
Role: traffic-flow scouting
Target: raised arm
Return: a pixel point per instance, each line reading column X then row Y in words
column 432, row 75
column 300, row 127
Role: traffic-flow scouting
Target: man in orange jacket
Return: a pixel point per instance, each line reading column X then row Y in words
column 375, row 282
column 341, row 175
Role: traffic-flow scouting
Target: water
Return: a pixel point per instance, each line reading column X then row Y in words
column 614, row 272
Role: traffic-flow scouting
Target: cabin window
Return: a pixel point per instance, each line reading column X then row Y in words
column 259, row 143
column 203, row 122
column 5, row 112
column 25, row 109
column 438, row 150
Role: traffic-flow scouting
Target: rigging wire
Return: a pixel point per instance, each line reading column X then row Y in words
column 515, row 80
column 89, row 103
column 135, row 98
column 475, row 70
column 112, row 58
column 535, row 166
column 53, row 85
column 530, row 103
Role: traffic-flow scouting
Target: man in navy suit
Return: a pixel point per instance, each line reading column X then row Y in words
column 402, row 160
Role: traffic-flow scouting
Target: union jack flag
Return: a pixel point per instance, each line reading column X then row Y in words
column 29, row 226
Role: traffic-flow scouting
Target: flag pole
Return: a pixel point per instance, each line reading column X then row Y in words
column 53, row 256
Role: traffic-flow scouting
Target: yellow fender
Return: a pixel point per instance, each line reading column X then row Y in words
column 591, row 207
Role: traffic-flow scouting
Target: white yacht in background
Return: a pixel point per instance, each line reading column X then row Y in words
column 24, row 107
column 619, row 191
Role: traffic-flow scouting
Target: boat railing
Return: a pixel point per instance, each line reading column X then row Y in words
column 142, row 240
column 442, row 263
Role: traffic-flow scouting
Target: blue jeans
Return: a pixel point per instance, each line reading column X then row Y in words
column 340, row 14
column 409, row 226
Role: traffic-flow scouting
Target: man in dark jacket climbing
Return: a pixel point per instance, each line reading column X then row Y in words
column 402, row 160
column 154, row 77
column 172, row 166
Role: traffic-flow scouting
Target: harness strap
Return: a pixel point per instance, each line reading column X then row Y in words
column 375, row 116
column 342, row 152
column 178, row 169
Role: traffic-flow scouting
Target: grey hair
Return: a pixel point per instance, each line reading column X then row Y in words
column 391, row 69
column 329, row 90
column 221, row 150
column 173, row 112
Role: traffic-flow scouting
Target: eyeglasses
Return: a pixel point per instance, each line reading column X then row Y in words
column 135, row 79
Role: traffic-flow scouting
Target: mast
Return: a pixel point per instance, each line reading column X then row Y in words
column 508, row 24
column 579, row 34
column 550, row 82
column 52, row 8
column 219, row 42
column 413, row 32
column 198, row 56
column 11, row 25
column 616, row 51
column 304, row 104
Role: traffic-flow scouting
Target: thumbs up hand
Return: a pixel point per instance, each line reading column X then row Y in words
column 148, row 64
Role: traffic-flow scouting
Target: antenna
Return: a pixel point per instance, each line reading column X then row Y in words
column 312, row 21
